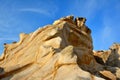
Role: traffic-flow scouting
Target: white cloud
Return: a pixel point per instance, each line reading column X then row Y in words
column 36, row 10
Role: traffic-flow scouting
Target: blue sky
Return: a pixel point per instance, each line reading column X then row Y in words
column 103, row 18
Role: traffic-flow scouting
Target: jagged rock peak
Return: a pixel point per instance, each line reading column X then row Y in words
column 78, row 22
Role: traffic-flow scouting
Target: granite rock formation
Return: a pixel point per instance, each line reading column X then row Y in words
column 61, row 51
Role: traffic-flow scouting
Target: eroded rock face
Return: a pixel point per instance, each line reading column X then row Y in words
column 62, row 51
column 110, row 59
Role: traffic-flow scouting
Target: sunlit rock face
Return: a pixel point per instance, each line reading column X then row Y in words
column 61, row 51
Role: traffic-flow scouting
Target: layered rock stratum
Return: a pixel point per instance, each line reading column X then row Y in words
column 61, row 51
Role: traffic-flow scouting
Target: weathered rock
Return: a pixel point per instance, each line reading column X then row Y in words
column 62, row 51
column 108, row 74
column 110, row 58
column 117, row 73
column 101, row 56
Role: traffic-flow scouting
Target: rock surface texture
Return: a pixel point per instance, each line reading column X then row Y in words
column 61, row 51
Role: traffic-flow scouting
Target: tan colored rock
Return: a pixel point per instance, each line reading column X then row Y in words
column 61, row 51
column 110, row 59
column 117, row 73
column 114, row 58
column 102, row 54
column 108, row 74
column 67, row 18
column 80, row 21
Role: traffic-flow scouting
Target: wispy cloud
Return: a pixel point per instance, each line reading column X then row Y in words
column 36, row 10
